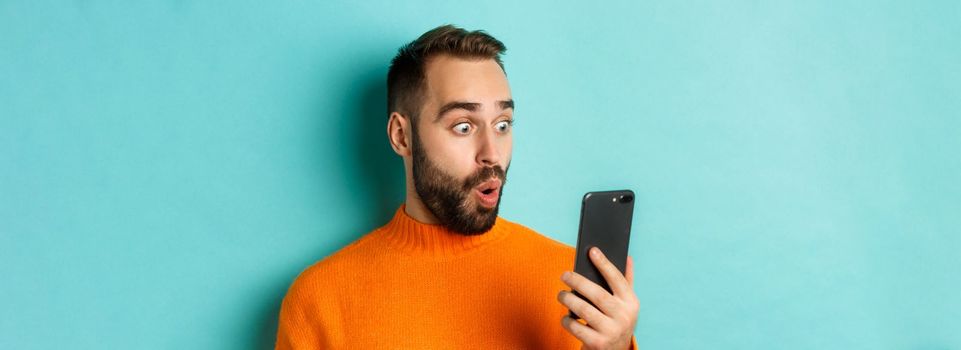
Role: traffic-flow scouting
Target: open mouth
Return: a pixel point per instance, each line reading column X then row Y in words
column 489, row 186
column 488, row 192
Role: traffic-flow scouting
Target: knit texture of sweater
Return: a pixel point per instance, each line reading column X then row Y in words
column 410, row 285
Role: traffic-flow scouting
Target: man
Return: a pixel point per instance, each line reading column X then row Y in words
column 446, row 272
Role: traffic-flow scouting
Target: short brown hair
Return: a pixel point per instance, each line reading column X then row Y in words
column 406, row 78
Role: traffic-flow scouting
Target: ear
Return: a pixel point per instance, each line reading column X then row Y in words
column 399, row 133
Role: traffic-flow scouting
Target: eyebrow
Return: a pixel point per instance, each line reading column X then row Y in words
column 469, row 106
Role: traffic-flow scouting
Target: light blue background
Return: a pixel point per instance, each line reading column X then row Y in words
column 167, row 168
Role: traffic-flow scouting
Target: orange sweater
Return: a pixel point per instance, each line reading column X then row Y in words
column 409, row 285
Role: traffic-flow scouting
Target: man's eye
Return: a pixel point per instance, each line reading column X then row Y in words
column 462, row 128
column 503, row 126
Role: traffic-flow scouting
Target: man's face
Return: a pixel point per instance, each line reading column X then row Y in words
column 461, row 145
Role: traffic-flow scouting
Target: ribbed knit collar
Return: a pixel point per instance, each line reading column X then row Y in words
column 406, row 234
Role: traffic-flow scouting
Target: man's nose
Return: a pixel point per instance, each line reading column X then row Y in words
column 487, row 154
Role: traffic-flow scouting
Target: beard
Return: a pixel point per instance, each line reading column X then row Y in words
column 449, row 199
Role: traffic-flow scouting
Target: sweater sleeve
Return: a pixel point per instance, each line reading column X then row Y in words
column 295, row 331
column 308, row 317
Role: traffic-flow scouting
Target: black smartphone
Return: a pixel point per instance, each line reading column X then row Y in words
column 605, row 223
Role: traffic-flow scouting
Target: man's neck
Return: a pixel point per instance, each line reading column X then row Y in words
column 416, row 209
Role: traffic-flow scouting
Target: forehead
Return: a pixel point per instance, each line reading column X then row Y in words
column 450, row 78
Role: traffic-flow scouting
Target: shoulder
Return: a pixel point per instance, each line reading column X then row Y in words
column 335, row 268
column 542, row 243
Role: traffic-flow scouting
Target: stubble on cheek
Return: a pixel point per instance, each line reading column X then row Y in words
column 451, row 200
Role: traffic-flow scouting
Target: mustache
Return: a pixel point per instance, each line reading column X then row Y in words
column 485, row 174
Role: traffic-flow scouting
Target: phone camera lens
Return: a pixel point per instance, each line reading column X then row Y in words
column 626, row 198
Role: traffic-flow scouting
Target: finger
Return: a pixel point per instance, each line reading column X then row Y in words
column 586, row 311
column 606, row 302
column 583, row 333
column 630, row 271
column 610, row 272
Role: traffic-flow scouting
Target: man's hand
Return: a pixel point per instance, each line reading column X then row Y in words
column 611, row 327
